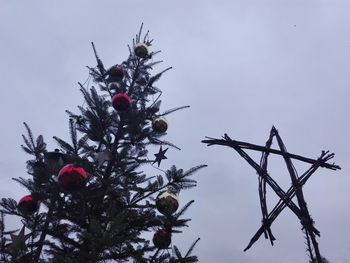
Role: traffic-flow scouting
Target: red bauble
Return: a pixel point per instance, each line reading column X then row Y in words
column 28, row 205
column 72, row 178
column 116, row 73
column 121, row 102
column 161, row 239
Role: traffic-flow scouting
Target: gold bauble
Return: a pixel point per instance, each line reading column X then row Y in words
column 160, row 125
column 167, row 203
column 141, row 50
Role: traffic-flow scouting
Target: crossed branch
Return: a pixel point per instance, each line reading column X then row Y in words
column 300, row 210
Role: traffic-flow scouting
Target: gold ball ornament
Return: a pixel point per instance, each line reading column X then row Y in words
column 167, row 203
column 160, row 125
column 141, row 50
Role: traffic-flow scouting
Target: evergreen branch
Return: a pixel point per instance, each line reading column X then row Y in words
column 26, row 183
column 29, row 145
column 193, row 170
column 152, row 64
column 44, row 232
column 146, row 36
column 191, row 248
column 99, row 61
column 27, row 150
column 183, row 210
column 160, row 142
column 64, row 145
column 40, row 144
column 134, row 78
column 149, row 194
column 173, row 110
column 9, row 206
column 73, row 135
column 72, row 115
column 86, row 95
column 179, row 223
column 63, row 237
column 157, row 76
column 139, row 34
column 83, row 142
column 30, row 134
column 177, row 252
column 155, row 255
column 155, row 53
column 155, row 106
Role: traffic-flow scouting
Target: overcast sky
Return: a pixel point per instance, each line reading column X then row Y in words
column 242, row 65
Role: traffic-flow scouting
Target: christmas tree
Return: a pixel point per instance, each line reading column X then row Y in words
column 89, row 200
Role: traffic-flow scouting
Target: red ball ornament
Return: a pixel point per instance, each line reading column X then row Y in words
column 28, row 205
column 72, row 178
column 116, row 73
column 121, row 102
column 161, row 239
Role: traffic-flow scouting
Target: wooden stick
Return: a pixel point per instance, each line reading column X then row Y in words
column 227, row 141
column 308, row 222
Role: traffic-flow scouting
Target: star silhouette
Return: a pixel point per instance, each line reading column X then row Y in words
column 300, row 208
column 19, row 241
column 160, row 156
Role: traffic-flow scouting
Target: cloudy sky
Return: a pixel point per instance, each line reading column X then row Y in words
column 242, row 65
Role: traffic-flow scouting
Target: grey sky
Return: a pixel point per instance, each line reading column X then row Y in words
column 243, row 66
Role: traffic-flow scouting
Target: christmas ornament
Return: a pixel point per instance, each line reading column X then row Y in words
column 160, row 156
column 19, row 241
column 115, row 73
column 161, row 239
column 53, row 161
column 167, row 203
column 160, row 125
column 72, row 178
column 28, row 204
column 81, row 162
column 141, row 50
column 121, row 102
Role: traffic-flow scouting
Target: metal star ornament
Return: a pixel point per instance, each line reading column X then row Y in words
column 160, row 156
column 19, row 241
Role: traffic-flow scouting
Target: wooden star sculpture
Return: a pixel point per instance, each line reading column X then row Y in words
column 160, row 156
column 300, row 209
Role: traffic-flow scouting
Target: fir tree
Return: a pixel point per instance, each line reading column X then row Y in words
column 89, row 200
